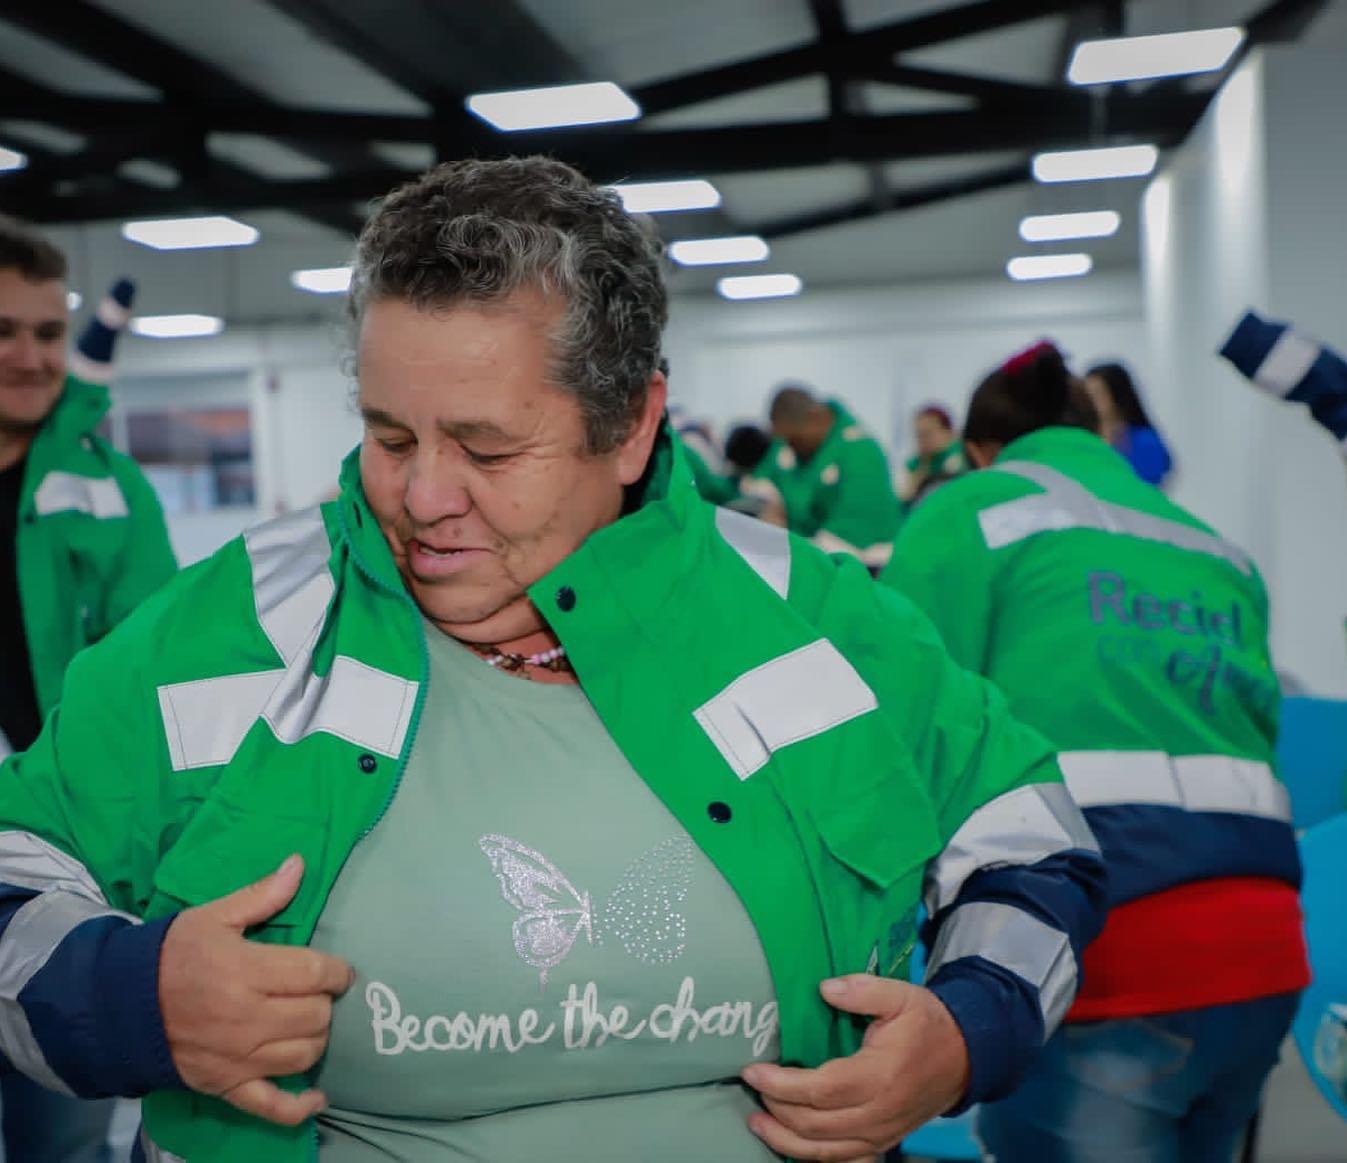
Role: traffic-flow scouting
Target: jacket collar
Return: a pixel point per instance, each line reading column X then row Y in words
column 78, row 411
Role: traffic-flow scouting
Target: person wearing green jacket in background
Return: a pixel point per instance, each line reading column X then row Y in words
column 832, row 477
column 610, row 811
column 1136, row 639
column 82, row 543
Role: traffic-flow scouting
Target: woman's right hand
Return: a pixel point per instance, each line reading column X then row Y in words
column 238, row 1013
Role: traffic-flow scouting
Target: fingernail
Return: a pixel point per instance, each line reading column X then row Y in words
column 835, row 987
column 289, row 864
column 752, row 1075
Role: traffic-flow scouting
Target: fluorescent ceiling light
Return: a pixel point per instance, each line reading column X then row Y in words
column 700, row 252
column 657, row 197
column 176, row 326
column 1139, row 58
column 11, row 159
column 554, row 106
column 759, row 286
column 1048, row 266
column 323, row 280
column 73, row 299
column 1057, row 227
column 1089, row 165
column 190, row 233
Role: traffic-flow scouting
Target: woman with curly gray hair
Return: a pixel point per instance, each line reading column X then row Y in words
column 602, row 816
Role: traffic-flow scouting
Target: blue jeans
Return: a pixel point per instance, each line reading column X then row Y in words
column 42, row 1126
column 1170, row 1088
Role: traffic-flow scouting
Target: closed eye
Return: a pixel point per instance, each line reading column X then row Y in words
column 395, row 447
column 486, row 459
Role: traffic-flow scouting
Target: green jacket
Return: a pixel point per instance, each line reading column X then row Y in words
column 92, row 543
column 1130, row 634
column 711, row 486
column 842, row 498
column 815, row 742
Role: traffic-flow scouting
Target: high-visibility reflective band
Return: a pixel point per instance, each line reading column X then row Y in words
column 368, row 707
column 765, row 548
column 1196, row 783
column 1021, row 827
column 205, row 721
column 1065, row 504
column 292, row 584
column 1014, row 940
column 61, row 492
column 786, row 700
column 1287, row 362
column 874, row 556
column 6, row 748
column 28, row 861
column 29, row 940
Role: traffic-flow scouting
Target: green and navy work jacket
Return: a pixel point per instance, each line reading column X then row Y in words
column 842, row 497
column 802, row 723
column 1130, row 634
column 91, row 542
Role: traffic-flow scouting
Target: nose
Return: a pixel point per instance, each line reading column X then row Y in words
column 435, row 489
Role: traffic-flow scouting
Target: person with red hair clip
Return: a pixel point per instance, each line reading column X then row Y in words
column 1136, row 639
column 939, row 456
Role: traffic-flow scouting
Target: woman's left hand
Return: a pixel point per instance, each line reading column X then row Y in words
column 912, row 1066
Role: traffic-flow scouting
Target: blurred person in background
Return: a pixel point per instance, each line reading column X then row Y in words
column 1125, row 424
column 1136, row 639
column 832, row 476
column 939, row 456
column 82, row 543
column 519, row 803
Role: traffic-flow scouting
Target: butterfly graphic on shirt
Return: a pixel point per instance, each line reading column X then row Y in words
column 641, row 913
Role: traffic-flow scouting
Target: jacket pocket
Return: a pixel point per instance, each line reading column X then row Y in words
column 882, row 831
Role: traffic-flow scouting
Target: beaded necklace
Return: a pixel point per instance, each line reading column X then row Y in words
column 554, row 660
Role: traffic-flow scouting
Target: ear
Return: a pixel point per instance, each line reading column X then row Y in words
column 982, row 453
column 634, row 452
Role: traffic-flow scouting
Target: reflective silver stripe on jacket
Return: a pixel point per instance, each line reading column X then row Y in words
column 1195, row 783
column 1065, row 504
column 1020, row 827
column 5, row 746
column 1011, row 938
column 68, row 896
column 783, row 701
column 765, row 548
column 206, row 720
column 61, row 492
column 292, row 584
column 1287, row 362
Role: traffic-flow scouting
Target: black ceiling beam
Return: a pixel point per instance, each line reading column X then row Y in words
column 984, row 89
column 182, row 78
column 732, row 149
column 913, row 134
column 992, row 179
column 886, row 41
column 1283, row 21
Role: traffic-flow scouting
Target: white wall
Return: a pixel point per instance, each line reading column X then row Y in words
column 293, row 381
column 1259, row 471
column 888, row 350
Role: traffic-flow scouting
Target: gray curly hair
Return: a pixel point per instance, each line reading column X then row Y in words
column 478, row 230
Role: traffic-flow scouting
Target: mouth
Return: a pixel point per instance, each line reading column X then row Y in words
column 429, row 562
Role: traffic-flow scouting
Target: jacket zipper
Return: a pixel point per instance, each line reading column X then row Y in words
column 407, row 746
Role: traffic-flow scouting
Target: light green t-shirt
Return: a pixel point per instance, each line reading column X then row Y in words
column 547, row 966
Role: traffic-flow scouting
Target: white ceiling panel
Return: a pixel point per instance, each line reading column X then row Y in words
column 57, row 68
